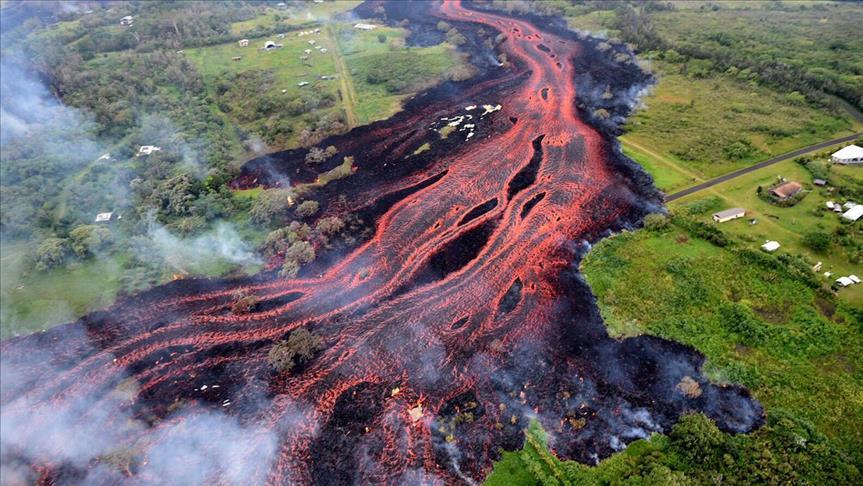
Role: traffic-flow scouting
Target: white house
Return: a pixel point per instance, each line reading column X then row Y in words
column 127, row 20
column 728, row 215
column 104, row 217
column 770, row 246
column 851, row 154
column 854, row 213
column 243, row 42
column 147, row 150
column 362, row 26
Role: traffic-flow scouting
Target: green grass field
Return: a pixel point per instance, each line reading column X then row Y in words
column 787, row 225
column 309, row 12
column 31, row 301
column 684, row 133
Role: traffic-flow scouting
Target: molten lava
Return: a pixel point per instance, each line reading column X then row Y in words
column 460, row 320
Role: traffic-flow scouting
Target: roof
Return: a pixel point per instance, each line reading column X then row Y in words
column 854, row 213
column 819, row 182
column 849, row 152
column 102, row 217
column 787, row 189
column 770, row 246
column 729, row 213
column 844, row 281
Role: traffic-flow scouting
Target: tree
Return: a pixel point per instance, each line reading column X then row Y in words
column 301, row 251
column 315, row 156
column 330, row 151
column 817, row 241
column 51, row 253
column 300, row 347
column 307, row 209
column 88, row 239
column 455, row 37
column 244, row 303
column 382, row 38
column 271, row 206
column 330, row 226
column 290, row 269
column 655, row 222
column 443, row 26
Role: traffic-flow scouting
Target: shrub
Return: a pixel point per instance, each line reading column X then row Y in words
column 300, row 347
column 307, row 208
column 271, row 206
column 817, row 241
column 655, row 222
column 300, row 251
column 88, row 239
column 244, row 304
column 51, row 253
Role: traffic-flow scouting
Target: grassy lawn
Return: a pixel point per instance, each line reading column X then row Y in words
column 787, row 225
column 758, row 325
column 309, row 12
column 31, row 301
column 694, row 129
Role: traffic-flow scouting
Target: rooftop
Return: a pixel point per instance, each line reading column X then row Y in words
column 787, row 189
column 849, row 152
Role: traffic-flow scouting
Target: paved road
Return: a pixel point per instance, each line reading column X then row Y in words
column 760, row 165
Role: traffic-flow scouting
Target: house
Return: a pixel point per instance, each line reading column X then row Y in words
column 323, row 50
column 847, row 281
column 270, row 45
column 312, row 42
column 849, row 204
column 851, row 154
column 243, row 42
column 303, row 83
column 147, row 150
column 727, row 215
column 854, row 278
column 104, row 217
column 308, row 51
column 854, row 213
column 786, row 190
column 830, row 205
column 127, row 20
column 770, row 246
column 104, row 157
column 820, row 182
column 362, row 26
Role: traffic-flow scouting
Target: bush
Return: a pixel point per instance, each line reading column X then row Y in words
column 301, row 251
column 655, row 222
column 307, row 208
column 51, row 253
column 300, row 347
column 817, row 241
column 271, row 206
column 88, row 239
column 244, row 304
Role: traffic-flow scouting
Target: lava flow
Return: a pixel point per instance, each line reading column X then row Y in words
column 458, row 322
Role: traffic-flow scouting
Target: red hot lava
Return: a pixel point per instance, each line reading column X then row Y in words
column 451, row 328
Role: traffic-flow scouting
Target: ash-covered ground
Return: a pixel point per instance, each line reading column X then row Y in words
column 457, row 322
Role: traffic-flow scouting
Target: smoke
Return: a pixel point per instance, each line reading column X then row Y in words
column 222, row 243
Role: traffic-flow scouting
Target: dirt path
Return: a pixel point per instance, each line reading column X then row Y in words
column 349, row 96
column 761, row 165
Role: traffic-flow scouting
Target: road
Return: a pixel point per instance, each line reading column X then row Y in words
column 349, row 96
column 760, row 165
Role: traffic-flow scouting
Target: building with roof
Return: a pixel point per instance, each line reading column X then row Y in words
column 104, row 217
column 728, row 215
column 770, row 246
column 851, row 154
column 819, row 182
column 854, row 213
column 243, row 42
column 127, row 20
column 147, row 150
column 362, row 26
column 786, row 190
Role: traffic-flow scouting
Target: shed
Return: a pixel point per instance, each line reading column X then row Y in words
column 830, row 204
column 127, row 20
column 844, row 281
column 851, row 154
column 786, row 190
column 236, row 58
column 243, row 42
column 727, row 215
column 362, row 26
column 854, row 213
column 303, row 83
column 104, row 217
column 819, row 182
column 854, row 278
column 770, row 246
column 147, row 150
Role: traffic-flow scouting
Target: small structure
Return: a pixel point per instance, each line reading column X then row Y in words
column 312, row 42
column 786, row 190
column 303, row 83
column 362, row 26
column 127, row 20
column 854, row 213
column 270, row 45
column 104, row 217
column 308, row 51
column 416, row 413
column 728, row 215
column 817, row 267
column 323, row 50
column 147, row 150
column 236, row 58
column 845, row 281
column 820, row 182
column 104, row 157
column 243, row 42
column 770, row 246
column 280, row 36
column 830, row 205
column 849, row 204
column 851, row 154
